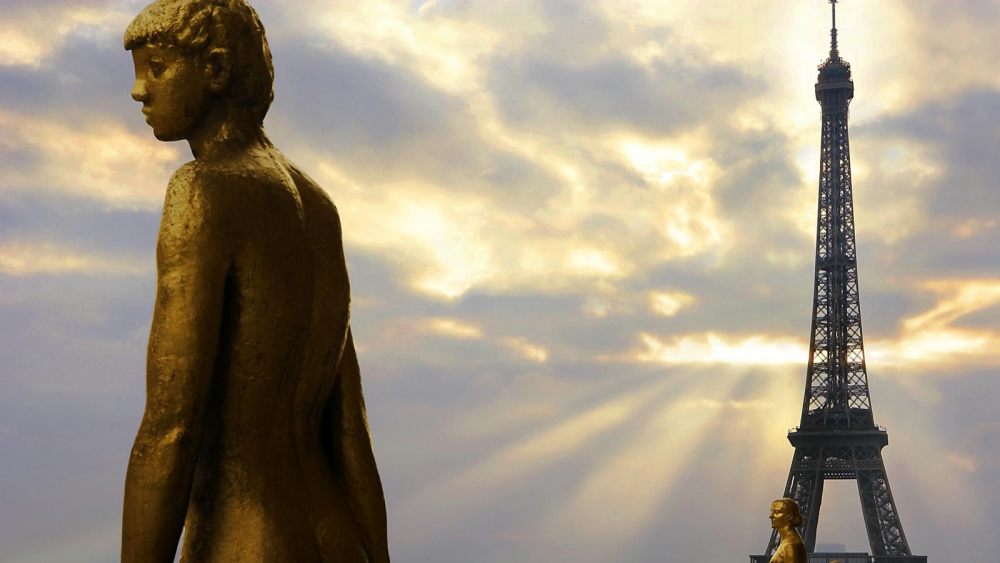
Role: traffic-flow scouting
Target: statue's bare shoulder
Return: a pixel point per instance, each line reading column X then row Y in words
column 193, row 219
column 214, row 194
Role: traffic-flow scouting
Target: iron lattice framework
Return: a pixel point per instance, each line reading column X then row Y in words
column 837, row 437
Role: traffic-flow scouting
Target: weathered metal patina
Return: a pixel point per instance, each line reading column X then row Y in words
column 254, row 440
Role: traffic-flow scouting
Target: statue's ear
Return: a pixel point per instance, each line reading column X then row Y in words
column 218, row 69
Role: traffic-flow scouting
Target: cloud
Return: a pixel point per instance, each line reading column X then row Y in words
column 938, row 337
column 79, row 223
column 98, row 160
column 713, row 349
column 613, row 93
column 524, row 348
column 953, row 138
column 33, row 31
column 34, row 259
column 669, row 303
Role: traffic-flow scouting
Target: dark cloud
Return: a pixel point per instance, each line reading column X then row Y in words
column 571, row 78
column 934, row 12
column 613, row 92
column 985, row 318
column 758, row 181
column 961, row 135
column 36, row 5
column 86, row 76
column 383, row 123
column 73, row 380
column 23, row 159
column 958, row 135
column 79, row 223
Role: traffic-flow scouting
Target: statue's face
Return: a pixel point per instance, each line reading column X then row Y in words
column 779, row 518
column 172, row 88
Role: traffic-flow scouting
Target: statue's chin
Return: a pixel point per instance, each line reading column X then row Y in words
column 167, row 136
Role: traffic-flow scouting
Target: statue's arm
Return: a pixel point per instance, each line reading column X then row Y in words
column 191, row 272
column 364, row 487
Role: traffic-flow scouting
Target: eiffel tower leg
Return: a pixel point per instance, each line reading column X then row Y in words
column 805, row 487
column 885, row 533
column 808, row 493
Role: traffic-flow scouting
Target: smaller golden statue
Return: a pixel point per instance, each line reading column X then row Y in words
column 785, row 516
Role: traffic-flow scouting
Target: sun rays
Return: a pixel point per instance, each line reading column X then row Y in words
column 635, row 446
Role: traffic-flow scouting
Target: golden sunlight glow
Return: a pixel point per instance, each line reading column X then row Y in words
column 588, row 261
column 669, row 303
column 102, row 161
column 18, row 259
column 570, row 435
column 931, row 338
column 437, row 236
column 448, row 242
column 486, row 479
column 664, row 163
column 966, row 463
column 18, row 48
column 454, row 328
column 606, row 512
column 443, row 50
column 713, row 348
column 962, row 297
column 684, row 210
column 30, row 38
column 526, row 349
column 651, row 457
column 460, row 256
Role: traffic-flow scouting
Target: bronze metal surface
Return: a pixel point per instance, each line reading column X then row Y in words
column 784, row 517
column 254, row 440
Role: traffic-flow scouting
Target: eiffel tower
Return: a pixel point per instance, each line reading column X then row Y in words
column 837, row 437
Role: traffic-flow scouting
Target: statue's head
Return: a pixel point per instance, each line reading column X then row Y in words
column 195, row 57
column 785, row 511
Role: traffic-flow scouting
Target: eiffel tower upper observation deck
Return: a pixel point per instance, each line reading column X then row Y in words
column 837, row 437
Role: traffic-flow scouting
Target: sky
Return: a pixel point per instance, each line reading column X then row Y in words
column 581, row 239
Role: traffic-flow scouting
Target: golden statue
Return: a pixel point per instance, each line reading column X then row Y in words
column 254, row 439
column 785, row 516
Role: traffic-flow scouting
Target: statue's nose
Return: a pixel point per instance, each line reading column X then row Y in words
column 139, row 92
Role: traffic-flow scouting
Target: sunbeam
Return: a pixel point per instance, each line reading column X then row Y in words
column 489, row 478
column 616, row 499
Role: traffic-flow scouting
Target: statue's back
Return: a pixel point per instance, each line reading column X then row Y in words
column 267, row 486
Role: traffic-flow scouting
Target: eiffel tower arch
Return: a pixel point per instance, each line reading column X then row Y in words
column 837, row 437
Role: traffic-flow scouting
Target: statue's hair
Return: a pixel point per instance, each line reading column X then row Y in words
column 792, row 509
column 199, row 26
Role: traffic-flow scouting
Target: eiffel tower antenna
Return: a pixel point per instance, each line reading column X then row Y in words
column 837, row 437
column 834, row 54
